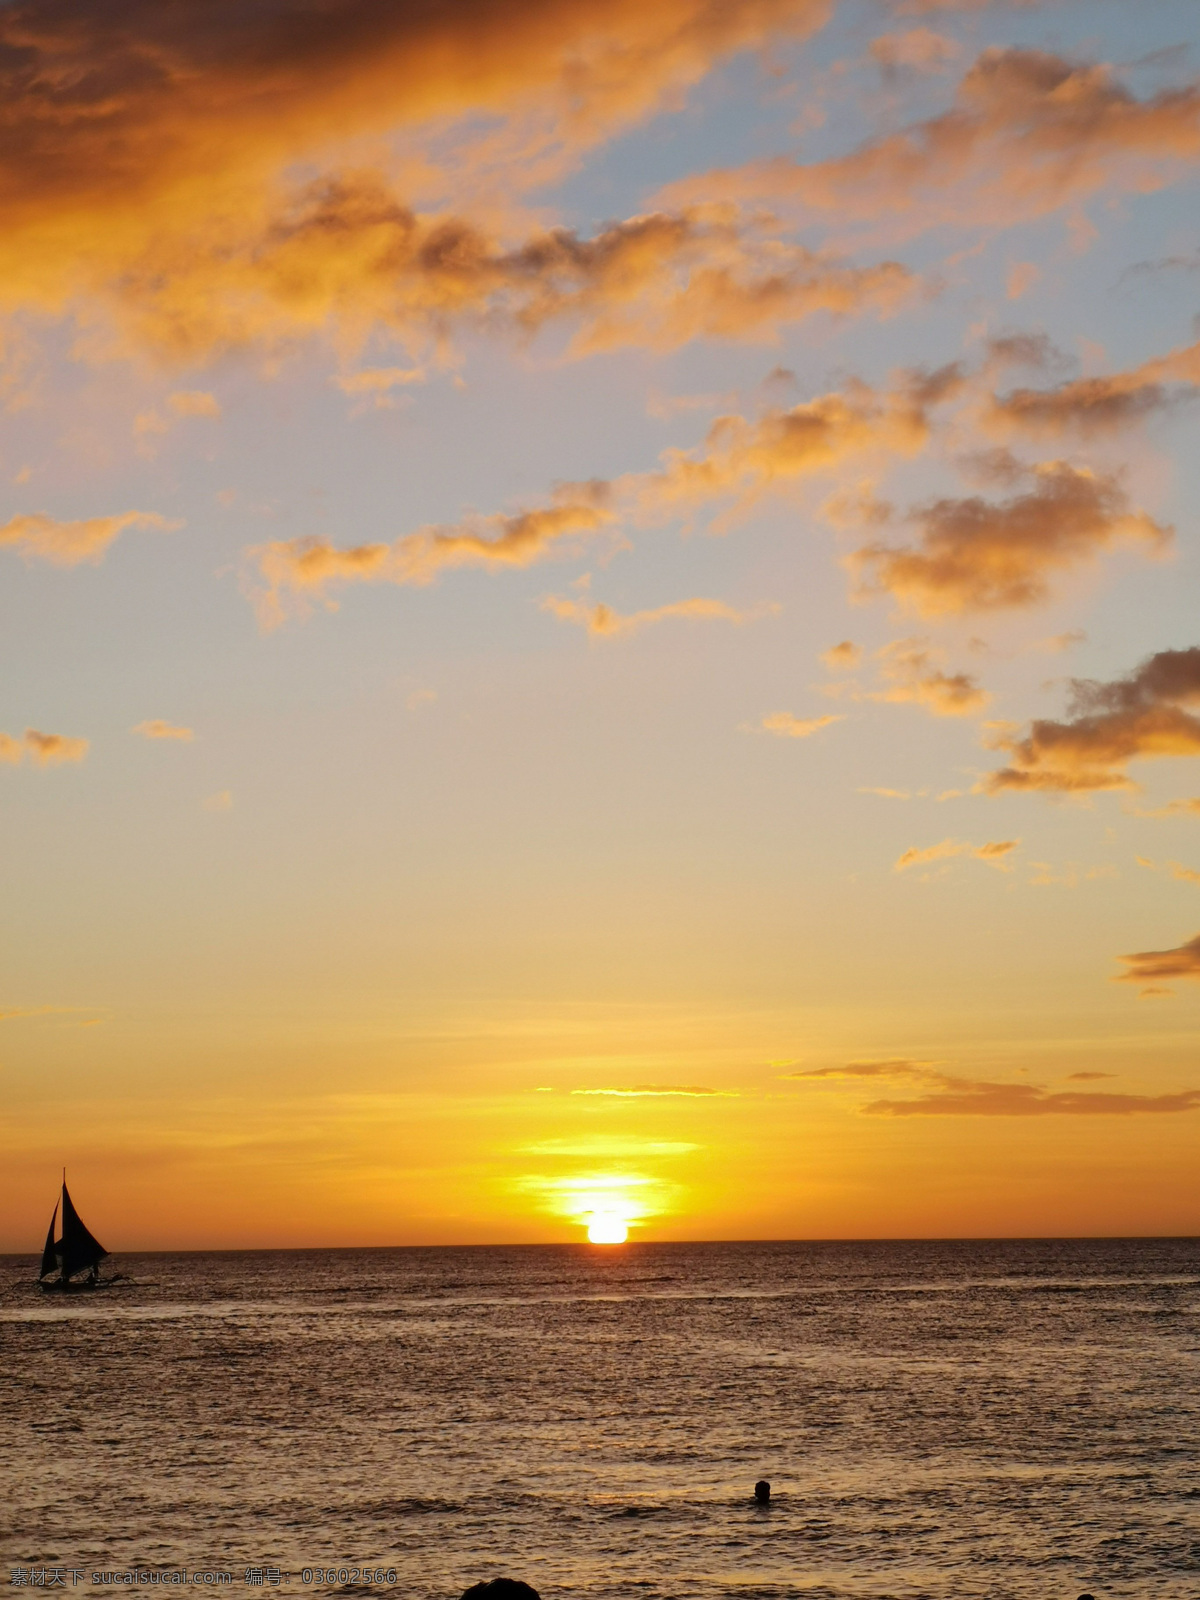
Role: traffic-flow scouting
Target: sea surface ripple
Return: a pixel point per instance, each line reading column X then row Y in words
column 939, row 1421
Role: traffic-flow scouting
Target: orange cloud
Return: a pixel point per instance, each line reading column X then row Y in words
column 1029, row 132
column 377, row 380
column 785, row 726
column 156, row 728
column 603, row 622
column 1178, row 871
column 298, row 571
column 1148, row 966
column 913, row 670
column 43, row 749
column 951, row 1096
column 1173, row 808
column 740, row 459
column 350, row 255
column 964, row 1097
column 993, row 852
column 843, row 657
column 890, row 1067
column 976, row 555
column 143, row 150
column 746, row 458
column 194, row 403
column 1022, row 276
column 1136, row 717
column 67, row 544
column 1093, row 406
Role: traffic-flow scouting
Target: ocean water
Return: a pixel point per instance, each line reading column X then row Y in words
column 1013, row 1420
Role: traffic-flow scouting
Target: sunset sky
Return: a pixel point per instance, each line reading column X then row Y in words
column 599, row 615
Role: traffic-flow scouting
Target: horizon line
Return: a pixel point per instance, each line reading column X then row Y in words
column 608, row 1249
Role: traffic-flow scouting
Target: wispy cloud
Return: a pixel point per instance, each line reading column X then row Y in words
column 888, row 1067
column 39, row 537
column 993, row 853
column 43, row 749
column 786, row 726
column 951, row 1096
column 156, row 728
column 662, row 1090
column 914, row 672
column 603, row 622
column 24, row 1013
column 740, row 460
column 962, row 1097
column 1173, row 808
column 1176, row 869
column 293, row 574
column 1029, row 132
column 1154, row 966
column 843, row 657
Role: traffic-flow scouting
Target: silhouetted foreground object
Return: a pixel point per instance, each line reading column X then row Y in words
column 762, row 1492
column 501, row 1589
column 75, row 1252
column 1087, row 1597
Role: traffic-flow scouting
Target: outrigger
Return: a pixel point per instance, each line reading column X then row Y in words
column 76, row 1251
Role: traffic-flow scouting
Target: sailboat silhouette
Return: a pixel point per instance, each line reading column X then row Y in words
column 76, row 1251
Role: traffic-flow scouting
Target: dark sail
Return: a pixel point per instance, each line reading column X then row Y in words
column 79, row 1249
column 49, row 1254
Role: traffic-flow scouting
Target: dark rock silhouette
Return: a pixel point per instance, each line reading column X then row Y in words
column 501, row 1589
column 762, row 1492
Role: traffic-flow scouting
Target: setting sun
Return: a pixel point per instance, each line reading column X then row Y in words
column 607, row 1228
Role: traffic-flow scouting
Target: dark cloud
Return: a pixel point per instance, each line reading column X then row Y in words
column 146, row 154
column 964, row 1097
column 1136, row 717
column 950, row 1096
column 1149, row 966
column 980, row 555
column 1093, row 406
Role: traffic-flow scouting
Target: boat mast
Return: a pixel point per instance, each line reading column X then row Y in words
column 65, row 1276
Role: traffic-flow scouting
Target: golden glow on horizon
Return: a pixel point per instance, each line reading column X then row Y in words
column 608, row 1200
